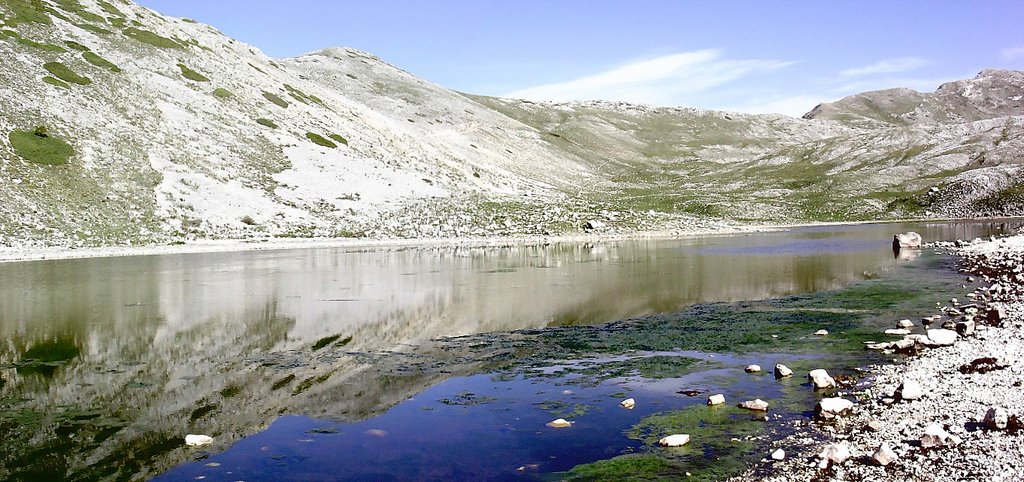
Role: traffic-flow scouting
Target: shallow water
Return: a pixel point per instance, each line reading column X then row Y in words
column 107, row 363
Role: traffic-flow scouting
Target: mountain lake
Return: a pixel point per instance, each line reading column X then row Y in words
column 444, row 363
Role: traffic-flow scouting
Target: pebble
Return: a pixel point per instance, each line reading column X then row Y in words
column 779, row 454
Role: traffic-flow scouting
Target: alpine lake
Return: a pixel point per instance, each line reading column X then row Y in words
column 446, row 363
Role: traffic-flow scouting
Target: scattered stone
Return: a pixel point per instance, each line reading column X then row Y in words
column 909, row 390
column 874, row 425
column 983, row 365
column 829, row 408
column 757, row 405
column 782, row 371
column 193, row 440
column 559, row 423
column 936, row 437
column 821, row 333
column 880, row 346
column 689, row 393
column 779, row 454
column 897, row 331
column 593, row 225
column 995, row 316
column 996, row 419
column 717, row 399
column 752, row 368
column 677, row 440
column 965, row 328
column 821, row 379
column 628, row 403
column 834, row 454
column 905, row 324
column 942, row 337
column 883, row 456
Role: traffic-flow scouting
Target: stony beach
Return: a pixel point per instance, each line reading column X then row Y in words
column 951, row 410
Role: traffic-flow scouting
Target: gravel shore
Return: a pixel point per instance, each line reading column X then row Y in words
column 960, row 384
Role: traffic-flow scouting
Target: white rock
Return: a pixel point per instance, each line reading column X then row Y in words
column 779, row 454
column 717, row 399
column 935, row 437
column 559, row 423
column 821, row 379
column 628, row 403
column 677, row 440
column 884, row 455
column 909, row 390
column 832, row 407
column 996, row 419
column 821, row 332
column 757, row 405
column 905, row 324
column 752, row 368
column 942, row 337
column 909, row 239
column 834, row 454
column 782, row 371
column 193, row 440
column 897, row 331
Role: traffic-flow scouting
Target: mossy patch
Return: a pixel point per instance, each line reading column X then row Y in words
column 17, row 37
column 222, row 93
column 64, row 73
column 635, row 467
column 101, row 62
column 76, row 46
column 274, row 99
column 26, row 11
column 320, row 140
column 302, row 96
column 39, row 149
column 338, row 139
column 266, row 123
column 150, row 38
column 110, row 9
column 190, row 74
column 56, row 82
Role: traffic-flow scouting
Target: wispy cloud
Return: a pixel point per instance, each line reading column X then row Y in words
column 1012, row 52
column 888, row 66
column 667, row 80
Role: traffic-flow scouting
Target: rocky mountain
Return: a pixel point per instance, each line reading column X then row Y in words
column 124, row 126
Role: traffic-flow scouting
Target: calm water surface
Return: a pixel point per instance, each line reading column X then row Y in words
column 106, row 363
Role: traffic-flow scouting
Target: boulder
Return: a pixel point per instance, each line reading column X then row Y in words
column 677, row 440
column 909, row 239
column 193, row 440
column 821, row 379
column 716, row 399
column 942, row 337
column 628, row 403
column 782, row 371
column 559, row 423
column 907, row 324
column 909, row 390
column 829, row 408
column 752, row 368
column 779, row 454
column 593, row 225
column 965, row 328
column 996, row 419
column 834, row 454
column 755, row 405
column 821, row 333
column 995, row 315
column 936, row 437
column 897, row 331
column 883, row 456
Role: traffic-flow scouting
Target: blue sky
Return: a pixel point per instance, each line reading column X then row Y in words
column 752, row 56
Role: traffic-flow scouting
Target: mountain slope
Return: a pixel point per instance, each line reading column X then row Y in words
column 163, row 130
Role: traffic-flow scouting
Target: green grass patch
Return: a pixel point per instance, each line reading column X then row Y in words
column 117, row 22
column 338, row 138
column 98, row 61
column 266, row 123
column 31, row 43
column 631, row 468
column 26, row 11
column 320, row 140
column 107, row 7
column 274, row 99
column 56, row 82
column 147, row 37
column 64, row 73
column 222, row 93
column 76, row 46
column 93, row 28
column 302, row 96
column 40, row 149
column 190, row 74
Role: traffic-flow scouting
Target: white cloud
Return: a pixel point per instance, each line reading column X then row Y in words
column 1012, row 52
column 888, row 66
column 793, row 106
column 666, row 80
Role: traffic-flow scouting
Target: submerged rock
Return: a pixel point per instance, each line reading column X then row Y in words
column 757, row 405
column 193, row 440
column 559, row 423
column 821, row 379
column 752, row 368
column 677, row 440
column 717, row 399
column 909, row 239
column 907, row 324
column 782, row 371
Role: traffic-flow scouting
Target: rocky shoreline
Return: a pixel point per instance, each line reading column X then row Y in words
column 965, row 422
